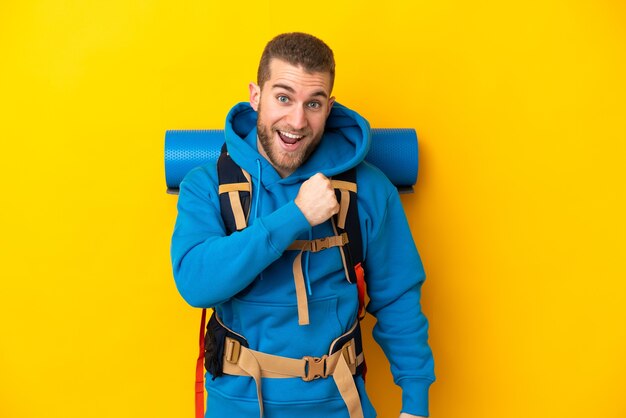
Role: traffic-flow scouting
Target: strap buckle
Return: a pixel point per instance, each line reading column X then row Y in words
column 320, row 244
column 314, row 368
column 233, row 349
column 324, row 243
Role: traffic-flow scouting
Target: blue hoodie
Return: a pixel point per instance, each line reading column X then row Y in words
column 247, row 276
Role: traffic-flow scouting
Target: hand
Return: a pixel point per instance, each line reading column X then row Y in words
column 405, row 415
column 316, row 199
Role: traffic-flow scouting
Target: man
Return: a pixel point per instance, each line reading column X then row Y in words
column 279, row 305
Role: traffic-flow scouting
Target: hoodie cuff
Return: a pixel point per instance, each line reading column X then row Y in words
column 415, row 396
column 284, row 226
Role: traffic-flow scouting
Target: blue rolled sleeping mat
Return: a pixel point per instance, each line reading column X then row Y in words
column 393, row 151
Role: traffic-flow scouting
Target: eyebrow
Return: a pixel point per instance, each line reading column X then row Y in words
column 291, row 90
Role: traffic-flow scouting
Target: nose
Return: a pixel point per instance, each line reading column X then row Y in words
column 297, row 118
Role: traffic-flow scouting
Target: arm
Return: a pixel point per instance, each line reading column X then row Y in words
column 211, row 267
column 394, row 276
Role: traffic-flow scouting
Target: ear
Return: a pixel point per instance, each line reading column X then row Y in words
column 255, row 95
column 331, row 101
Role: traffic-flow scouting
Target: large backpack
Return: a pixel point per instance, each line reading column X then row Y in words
column 235, row 194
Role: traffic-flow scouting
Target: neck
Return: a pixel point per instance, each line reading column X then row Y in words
column 281, row 171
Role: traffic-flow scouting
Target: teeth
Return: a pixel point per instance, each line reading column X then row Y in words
column 292, row 136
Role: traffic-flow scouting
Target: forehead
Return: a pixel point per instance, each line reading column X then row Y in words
column 297, row 78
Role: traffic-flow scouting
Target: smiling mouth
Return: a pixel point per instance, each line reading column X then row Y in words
column 289, row 138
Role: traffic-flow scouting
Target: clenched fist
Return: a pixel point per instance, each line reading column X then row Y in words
column 316, row 199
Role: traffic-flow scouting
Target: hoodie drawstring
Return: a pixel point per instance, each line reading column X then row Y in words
column 258, row 192
column 306, row 267
column 258, row 197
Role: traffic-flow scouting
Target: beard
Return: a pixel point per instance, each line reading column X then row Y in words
column 282, row 160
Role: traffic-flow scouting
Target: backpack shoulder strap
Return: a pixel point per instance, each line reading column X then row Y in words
column 235, row 191
column 347, row 220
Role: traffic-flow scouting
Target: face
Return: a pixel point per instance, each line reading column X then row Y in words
column 292, row 109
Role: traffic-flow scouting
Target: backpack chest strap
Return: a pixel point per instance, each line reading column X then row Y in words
column 319, row 244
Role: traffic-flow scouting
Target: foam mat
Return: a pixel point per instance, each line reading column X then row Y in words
column 393, row 151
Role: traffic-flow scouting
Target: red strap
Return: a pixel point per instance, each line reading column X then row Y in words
column 200, row 370
column 360, row 285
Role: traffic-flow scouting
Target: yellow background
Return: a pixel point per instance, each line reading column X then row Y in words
column 518, row 212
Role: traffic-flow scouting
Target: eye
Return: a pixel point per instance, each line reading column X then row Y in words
column 283, row 98
column 314, row 105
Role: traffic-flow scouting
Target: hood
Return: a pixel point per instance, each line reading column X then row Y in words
column 345, row 144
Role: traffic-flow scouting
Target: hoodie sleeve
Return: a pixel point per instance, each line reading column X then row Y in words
column 394, row 275
column 211, row 267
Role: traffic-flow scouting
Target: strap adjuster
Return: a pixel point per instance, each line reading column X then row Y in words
column 233, row 349
column 314, row 368
column 344, row 238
